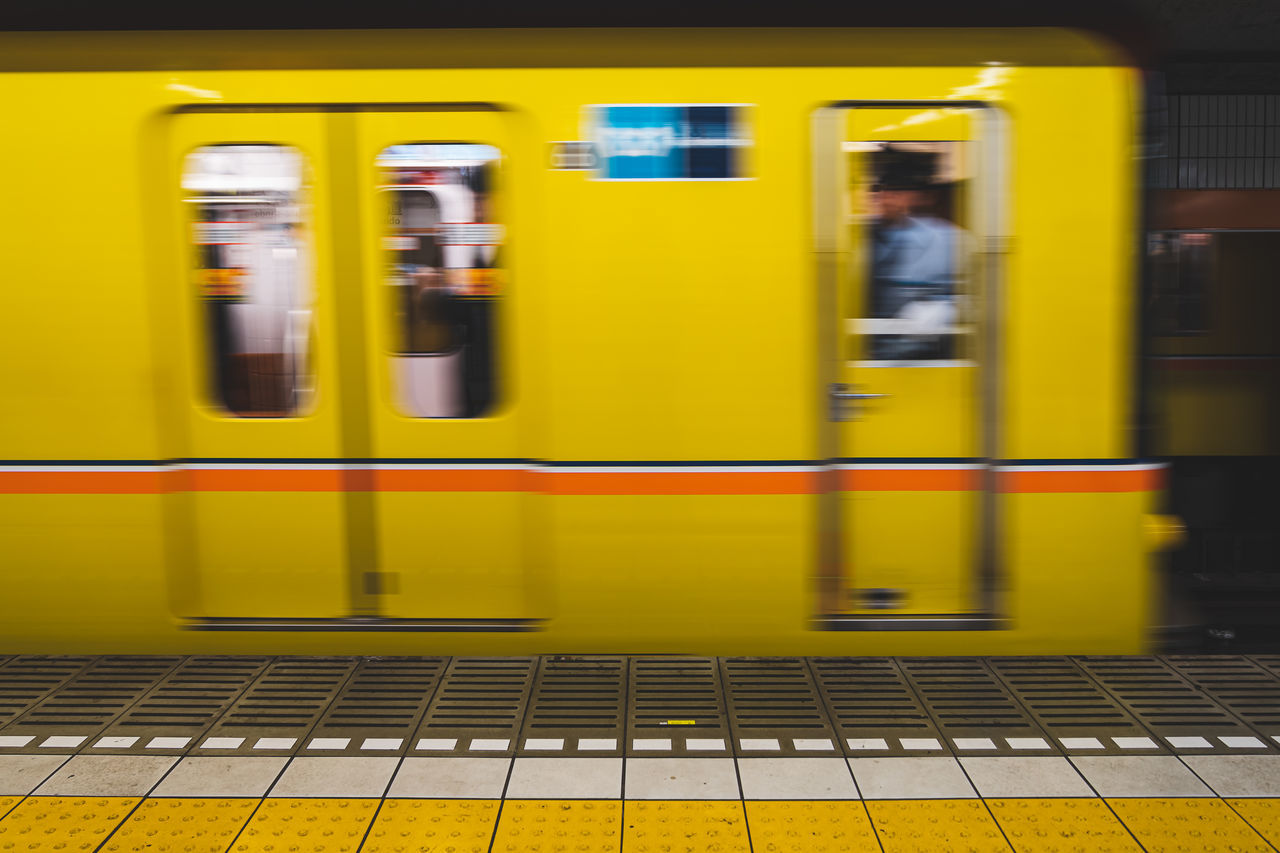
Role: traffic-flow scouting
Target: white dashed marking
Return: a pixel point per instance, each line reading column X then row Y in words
column 222, row 743
column 860, row 743
column 329, row 743
column 1242, row 742
column 704, row 744
column 594, row 743
column 919, row 743
column 760, row 743
column 651, row 743
column 1026, row 743
column 372, row 743
column 16, row 740
column 115, row 743
column 438, row 743
column 970, row 743
column 63, row 741
column 552, row 743
column 1189, row 743
column 1134, row 743
column 814, row 744
column 275, row 743
column 1080, row 743
column 168, row 742
column 489, row 744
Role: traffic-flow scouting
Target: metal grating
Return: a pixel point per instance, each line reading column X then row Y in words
column 1218, row 142
column 1237, row 684
column 966, row 700
column 672, row 700
column 869, row 698
column 575, row 706
column 774, row 700
column 479, row 706
column 26, row 680
column 379, row 707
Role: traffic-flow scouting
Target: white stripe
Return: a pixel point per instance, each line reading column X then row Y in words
column 551, row 743
column 678, row 469
column 1242, row 742
column 1134, row 742
column 275, row 743
column 222, row 743
column 867, row 743
column 973, row 743
column 1026, row 743
column 115, row 742
column 704, row 744
column 592, row 743
column 910, row 466
column 168, row 742
column 446, row 466
column 437, row 743
column 919, row 743
column 268, row 466
column 1136, row 466
column 80, row 469
column 1081, row 743
column 16, row 740
column 489, row 744
column 382, row 743
column 64, row 741
column 650, row 743
column 329, row 743
column 1189, row 743
column 760, row 743
column 821, row 744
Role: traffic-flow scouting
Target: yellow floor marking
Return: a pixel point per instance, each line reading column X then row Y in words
column 1057, row 826
column 181, row 825
column 809, row 827
column 62, row 824
column 422, row 826
column 685, row 826
column 1201, row 824
column 545, row 826
column 1262, row 815
column 7, row 803
column 937, row 825
column 300, row 826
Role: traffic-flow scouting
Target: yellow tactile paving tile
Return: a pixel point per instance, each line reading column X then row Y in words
column 7, row 803
column 1203, row 825
column 810, row 827
column 181, row 826
column 307, row 826
column 424, row 826
column 559, row 826
column 1061, row 826
column 1262, row 814
column 62, row 824
column 684, row 826
column 962, row 826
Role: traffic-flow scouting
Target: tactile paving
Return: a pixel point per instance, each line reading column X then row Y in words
column 1262, row 814
column 1200, row 824
column 307, row 826
column 559, row 826
column 1061, row 825
column 181, row 826
column 915, row 825
column 7, row 803
column 62, row 824
column 673, row 700
column 810, row 827
column 457, row 826
column 685, row 827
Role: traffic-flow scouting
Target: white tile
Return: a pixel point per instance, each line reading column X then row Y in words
column 910, row 778
column 1020, row 777
column 107, row 776
column 168, row 742
column 1276, row 738
column 861, row 743
column 813, row 744
column 1134, row 743
column 1189, row 743
column 1080, row 743
column 972, row 743
column 760, row 743
column 356, row 776
column 382, row 743
column 681, row 779
column 489, row 744
column 463, row 777
column 795, row 779
column 20, row 774
column 275, row 743
column 705, row 744
column 329, row 743
column 63, row 741
column 1236, row 742
column 651, row 743
column 594, row 743
column 222, row 743
column 1238, row 775
column 1026, row 743
column 219, row 776
column 16, row 740
column 560, row 778
column 1140, row 776
column 115, row 742
column 919, row 743
column 551, row 743
column 437, row 743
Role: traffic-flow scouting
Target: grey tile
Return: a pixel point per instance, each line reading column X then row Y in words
column 221, row 776
column 910, row 778
column 447, row 778
column 20, row 774
column 1238, row 775
column 550, row 778
column 681, row 779
column 1047, row 776
column 107, row 776
column 335, row 777
column 794, row 779
column 1140, row 776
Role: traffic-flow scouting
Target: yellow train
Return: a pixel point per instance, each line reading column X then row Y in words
column 515, row 341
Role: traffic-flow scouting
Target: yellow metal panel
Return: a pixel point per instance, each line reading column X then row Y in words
column 667, row 826
column 549, row 826
column 1262, row 814
column 810, row 827
column 1058, row 826
column 1186, row 824
column 913, row 825
column 163, row 825
column 308, row 826
column 71, row 824
column 433, row 826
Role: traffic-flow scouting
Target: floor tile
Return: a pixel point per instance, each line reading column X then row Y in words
column 1201, row 823
column 62, row 824
column 172, row 825
column 685, row 827
column 1238, row 775
column 308, row 825
column 458, row 826
column 907, row 778
column 565, row 778
column 310, row 776
column 1061, row 825
column 1140, row 776
column 810, row 827
column 682, row 779
column 218, row 776
column 794, row 779
column 107, row 775
column 581, row 826
column 925, row 826
column 1050, row 776
column 1262, row 814
column 20, row 774
column 449, row 778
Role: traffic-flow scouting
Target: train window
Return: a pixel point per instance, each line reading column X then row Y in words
column 1181, row 268
column 247, row 205
column 443, row 248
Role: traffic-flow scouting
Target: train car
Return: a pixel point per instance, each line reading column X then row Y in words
column 732, row 341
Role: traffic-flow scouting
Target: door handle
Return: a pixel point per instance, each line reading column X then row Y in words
column 840, row 394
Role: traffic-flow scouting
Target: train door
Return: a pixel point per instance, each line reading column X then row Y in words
column 907, row 196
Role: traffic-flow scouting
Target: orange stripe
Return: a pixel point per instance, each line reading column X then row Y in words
column 428, row 480
column 677, row 483
column 82, row 482
column 1123, row 480
column 269, row 480
column 910, row 480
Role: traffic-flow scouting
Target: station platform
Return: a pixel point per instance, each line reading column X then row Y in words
column 763, row 755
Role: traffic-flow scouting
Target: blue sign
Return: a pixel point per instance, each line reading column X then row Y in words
column 638, row 142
